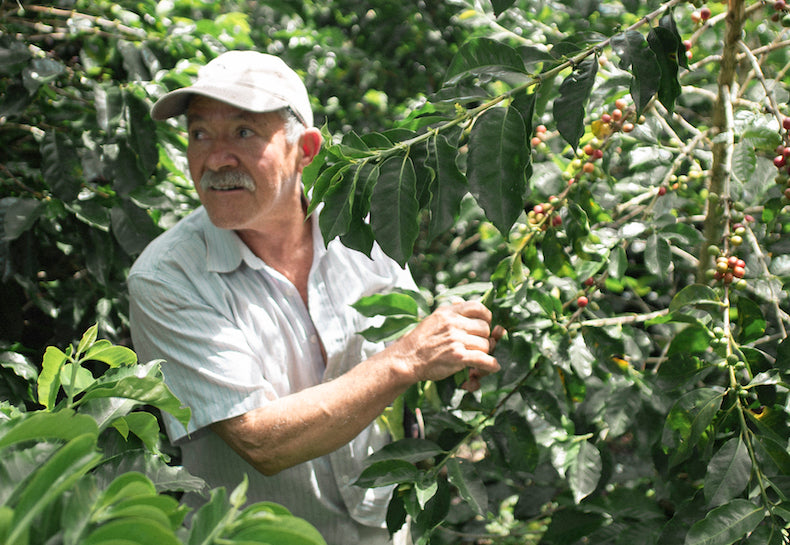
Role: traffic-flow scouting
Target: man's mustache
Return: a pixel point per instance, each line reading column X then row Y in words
column 226, row 179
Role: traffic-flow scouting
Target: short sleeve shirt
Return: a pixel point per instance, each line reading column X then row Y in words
column 235, row 334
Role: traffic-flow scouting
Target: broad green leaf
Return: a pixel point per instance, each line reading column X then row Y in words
column 664, row 44
column 64, row 424
column 751, row 322
column 688, row 419
column 388, row 472
column 574, row 94
column 112, row 355
column 67, row 465
column 132, row 227
column 396, row 514
column 658, row 257
column 667, row 21
column 462, row 474
column 690, row 340
column 513, row 442
column 49, row 379
column 132, row 531
column 602, row 345
column 694, row 295
column 744, row 161
column 635, row 55
column 392, row 328
column 338, row 202
column 87, row 340
column 143, row 424
column 728, row 473
column 449, row 186
column 142, row 132
column 211, row 519
column 388, row 304
column 426, row 489
column 128, row 485
column 679, row 369
column 279, row 529
column 496, row 165
column 359, row 235
column 436, row 510
column 19, row 215
column 584, row 469
column 726, row 524
column 146, row 390
column 618, row 263
column 409, row 450
column 481, row 56
column 394, row 209
column 554, row 255
column 569, row 526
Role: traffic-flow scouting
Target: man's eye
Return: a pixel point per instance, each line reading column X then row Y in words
column 246, row 133
column 196, row 134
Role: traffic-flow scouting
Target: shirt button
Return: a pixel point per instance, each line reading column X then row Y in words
column 313, row 339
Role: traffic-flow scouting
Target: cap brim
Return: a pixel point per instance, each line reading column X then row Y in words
column 176, row 102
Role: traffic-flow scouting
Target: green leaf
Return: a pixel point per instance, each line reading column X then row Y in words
column 569, row 526
column 388, row 304
column 338, row 203
column 49, row 379
column 114, row 356
column 359, row 235
column 462, row 474
column 501, row 5
column 554, row 255
column 694, row 295
column 664, row 44
column 132, row 227
column 388, row 472
column 392, row 328
column 726, row 524
column 744, row 161
column 584, row 469
column 667, row 21
column 143, row 424
column 64, row 424
column 484, row 56
column 728, row 473
column 574, row 94
column 409, row 450
column 67, row 465
column 87, row 340
column 60, row 166
column 635, row 55
column 142, row 133
column 751, row 322
column 449, row 186
column 498, row 158
column 132, row 530
column 211, row 519
column 145, row 390
column 19, row 215
column 394, row 209
column 512, row 441
column 688, row 419
column 658, row 257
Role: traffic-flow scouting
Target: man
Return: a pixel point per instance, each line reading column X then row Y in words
column 250, row 311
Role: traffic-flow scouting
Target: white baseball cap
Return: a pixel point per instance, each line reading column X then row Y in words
column 249, row 80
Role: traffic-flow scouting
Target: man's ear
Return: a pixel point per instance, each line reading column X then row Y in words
column 310, row 145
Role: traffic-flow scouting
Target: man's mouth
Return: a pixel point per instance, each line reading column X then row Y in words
column 226, row 180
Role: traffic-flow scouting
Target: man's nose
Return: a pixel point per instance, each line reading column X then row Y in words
column 221, row 155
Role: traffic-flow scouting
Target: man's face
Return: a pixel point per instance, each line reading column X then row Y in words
column 244, row 170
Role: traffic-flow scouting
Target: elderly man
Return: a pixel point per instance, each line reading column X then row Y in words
column 250, row 311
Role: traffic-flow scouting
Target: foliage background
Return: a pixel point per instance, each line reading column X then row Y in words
column 654, row 414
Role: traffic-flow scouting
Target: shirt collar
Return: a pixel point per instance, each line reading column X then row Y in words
column 225, row 251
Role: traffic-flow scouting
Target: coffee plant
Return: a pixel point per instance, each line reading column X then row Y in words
column 609, row 177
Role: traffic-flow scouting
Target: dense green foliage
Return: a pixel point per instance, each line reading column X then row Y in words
column 621, row 207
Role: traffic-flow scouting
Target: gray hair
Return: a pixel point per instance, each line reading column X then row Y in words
column 294, row 128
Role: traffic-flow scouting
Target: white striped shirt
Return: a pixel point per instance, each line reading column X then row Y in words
column 235, row 335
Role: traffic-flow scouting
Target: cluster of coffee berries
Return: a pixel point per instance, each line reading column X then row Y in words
column 540, row 135
column 782, row 160
column 730, row 270
column 780, row 13
column 543, row 214
column 619, row 119
column 701, row 15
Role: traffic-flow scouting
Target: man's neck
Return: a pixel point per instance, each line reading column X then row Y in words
column 287, row 249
